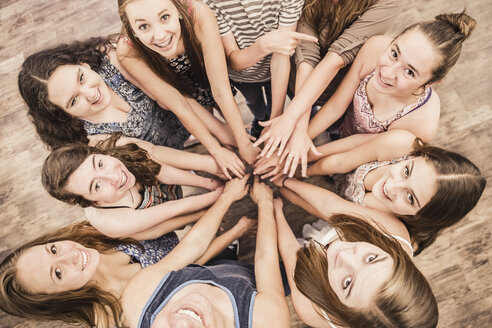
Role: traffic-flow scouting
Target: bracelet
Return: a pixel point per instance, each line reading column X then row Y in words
column 283, row 181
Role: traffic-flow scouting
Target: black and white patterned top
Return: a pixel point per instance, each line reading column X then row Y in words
column 182, row 66
column 145, row 120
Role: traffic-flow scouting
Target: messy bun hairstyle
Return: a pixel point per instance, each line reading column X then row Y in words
column 447, row 33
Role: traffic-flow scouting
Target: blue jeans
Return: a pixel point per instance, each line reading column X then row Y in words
column 258, row 96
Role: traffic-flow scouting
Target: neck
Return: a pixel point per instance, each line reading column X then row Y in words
column 114, row 271
column 132, row 198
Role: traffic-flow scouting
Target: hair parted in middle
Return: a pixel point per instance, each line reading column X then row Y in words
column 80, row 306
column 459, row 187
column 63, row 161
column 405, row 300
column 160, row 65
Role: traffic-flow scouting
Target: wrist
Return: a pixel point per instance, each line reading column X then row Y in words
column 263, row 45
column 226, row 198
column 265, row 203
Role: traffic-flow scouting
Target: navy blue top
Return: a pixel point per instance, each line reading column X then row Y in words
column 145, row 120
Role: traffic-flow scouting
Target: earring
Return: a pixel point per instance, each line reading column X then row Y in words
column 180, row 16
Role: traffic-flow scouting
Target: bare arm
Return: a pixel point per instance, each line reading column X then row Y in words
column 198, row 239
column 328, row 203
column 279, row 71
column 171, row 98
column 306, row 94
column 334, row 108
column 267, row 272
column 288, row 247
column 224, row 240
column 208, row 33
column 118, row 222
column 167, row 226
column 171, row 175
column 379, row 147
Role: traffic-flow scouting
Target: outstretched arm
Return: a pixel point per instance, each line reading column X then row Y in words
column 270, row 298
column 215, row 63
column 198, row 239
column 221, row 242
column 119, row 222
column 167, row 226
column 328, row 203
column 168, row 97
column 288, row 247
column 345, row 155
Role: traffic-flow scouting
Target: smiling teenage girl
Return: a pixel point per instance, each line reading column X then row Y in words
column 78, row 92
column 426, row 187
column 361, row 277
column 389, row 86
column 115, row 181
column 172, row 53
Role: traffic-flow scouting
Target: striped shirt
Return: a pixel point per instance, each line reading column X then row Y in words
column 248, row 20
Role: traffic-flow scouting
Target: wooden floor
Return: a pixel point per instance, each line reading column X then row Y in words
column 457, row 265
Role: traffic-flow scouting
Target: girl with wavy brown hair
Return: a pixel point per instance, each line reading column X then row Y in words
column 426, row 187
column 389, row 86
column 171, row 48
column 362, row 275
column 124, row 190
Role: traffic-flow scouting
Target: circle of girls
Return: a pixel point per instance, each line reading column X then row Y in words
column 117, row 111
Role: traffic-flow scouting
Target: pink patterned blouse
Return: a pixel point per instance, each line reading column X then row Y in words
column 359, row 117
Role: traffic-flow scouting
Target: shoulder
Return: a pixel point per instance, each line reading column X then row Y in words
column 376, row 44
column 124, row 49
column 369, row 53
column 137, row 293
column 263, row 308
column 202, row 13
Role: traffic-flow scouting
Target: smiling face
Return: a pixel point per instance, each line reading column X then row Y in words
column 57, row 267
column 101, row 178
column 197, row 307
column 78, row 90
column 357, row 271
column 406, row 187
column 406, row 65
column 156, row 24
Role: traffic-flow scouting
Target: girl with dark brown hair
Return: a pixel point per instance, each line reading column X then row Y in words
column 389, row 86
column 362, row 276
column 173, row 49
column 79, row 92
column 124, row 190
column 426, row 187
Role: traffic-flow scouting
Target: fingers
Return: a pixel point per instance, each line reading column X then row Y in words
column 305, row 37
column 262, row 139
column 293, row 166
column 277, row 177
column 288, row 160
column 226, row 173
column 269, row 144
column 314, row 150
column 304, row 165
column 265, row 123
column 271, row 173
